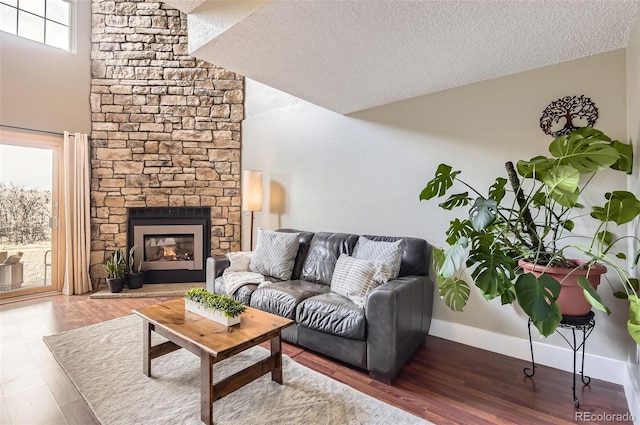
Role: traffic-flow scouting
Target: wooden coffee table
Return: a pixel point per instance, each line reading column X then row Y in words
column 213, row 342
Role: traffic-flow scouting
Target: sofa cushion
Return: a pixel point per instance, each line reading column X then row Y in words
column 388, row 253
column 415, row 257
column 323, row 254
column 303, row 249
column 275, row 254
column 334, row 314
column 282, row 298
column 353, row 278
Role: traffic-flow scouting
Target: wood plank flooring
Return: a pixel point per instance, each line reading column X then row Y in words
column 444, row 382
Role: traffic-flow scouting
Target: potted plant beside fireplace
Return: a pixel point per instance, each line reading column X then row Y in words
column 135, row 277
column 116, row 268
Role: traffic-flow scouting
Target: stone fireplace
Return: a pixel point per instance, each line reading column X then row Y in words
column 172, row 244
column 166, row 131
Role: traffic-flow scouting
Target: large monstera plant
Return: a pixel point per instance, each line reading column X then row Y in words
column 529, row 215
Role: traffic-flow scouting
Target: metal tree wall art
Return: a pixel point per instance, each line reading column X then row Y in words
column 567, row 114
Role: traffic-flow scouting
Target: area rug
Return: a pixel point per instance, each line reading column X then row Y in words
column 149, row 290
column 104, row 361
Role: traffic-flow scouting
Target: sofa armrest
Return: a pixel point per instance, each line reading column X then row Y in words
column 214, row 268
column 398, row 320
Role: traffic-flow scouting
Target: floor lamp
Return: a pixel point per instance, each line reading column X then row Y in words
column 252, row 195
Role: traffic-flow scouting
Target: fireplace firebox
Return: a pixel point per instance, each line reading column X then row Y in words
column 171, row 243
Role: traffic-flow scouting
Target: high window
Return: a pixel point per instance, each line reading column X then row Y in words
column 44, row 21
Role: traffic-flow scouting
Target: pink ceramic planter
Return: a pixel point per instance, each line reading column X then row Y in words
column 571, row 300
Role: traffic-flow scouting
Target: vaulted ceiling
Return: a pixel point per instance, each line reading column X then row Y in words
column 350, row 55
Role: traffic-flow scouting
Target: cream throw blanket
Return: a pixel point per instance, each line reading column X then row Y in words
column 235, row 280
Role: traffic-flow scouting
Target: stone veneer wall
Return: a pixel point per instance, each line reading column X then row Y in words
column 165, row 126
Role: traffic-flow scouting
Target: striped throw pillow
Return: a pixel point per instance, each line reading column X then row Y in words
column 353, row 278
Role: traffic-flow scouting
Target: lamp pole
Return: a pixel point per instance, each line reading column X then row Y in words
column 251, row 237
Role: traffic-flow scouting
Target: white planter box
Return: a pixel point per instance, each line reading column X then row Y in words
column 214, row 315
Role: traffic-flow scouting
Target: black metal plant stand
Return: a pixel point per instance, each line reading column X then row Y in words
column 582, row 323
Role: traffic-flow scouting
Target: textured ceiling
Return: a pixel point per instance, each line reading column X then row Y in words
column 352, row 55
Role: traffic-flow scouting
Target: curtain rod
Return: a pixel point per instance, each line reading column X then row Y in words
column 33, row 130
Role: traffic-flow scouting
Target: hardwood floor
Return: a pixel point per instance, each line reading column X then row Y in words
column 444, row 382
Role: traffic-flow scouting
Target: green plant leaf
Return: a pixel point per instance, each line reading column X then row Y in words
column 496, row 190
column 535, row 167
column 482, row 213
column 549, row 326
column 537, row 295
column 439, row 185
column 454, row 291
column 539, row 199
column 633, row 325
column 586, row 150
column 621, row 295
column 116, row 266
column 454, row 257
column 621, row 255
column 568, row 224
column 493, row 272
column 625, row 160
column 566, row 199
column 437, row 259
column 622, row 207
column 457, row 200
column 458, row 229
column 509, row 296
column 606, row 238
column 562, row 183
column 591, row 295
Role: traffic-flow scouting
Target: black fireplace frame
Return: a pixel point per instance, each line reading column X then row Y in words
column 154, row 216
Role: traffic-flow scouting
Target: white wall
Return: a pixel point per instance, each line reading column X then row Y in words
column 44, row 88
column 363, row 173
column 633, row 135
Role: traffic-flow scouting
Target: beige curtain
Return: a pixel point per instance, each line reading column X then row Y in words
column 75, row 233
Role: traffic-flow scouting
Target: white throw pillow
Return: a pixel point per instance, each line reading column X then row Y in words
column 387, row 253
column 239, row 261
column 275, row 254
column 353, row 278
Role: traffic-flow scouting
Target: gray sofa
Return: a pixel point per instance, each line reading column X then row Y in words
column 379, row 337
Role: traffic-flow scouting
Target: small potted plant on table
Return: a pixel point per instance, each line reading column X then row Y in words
column 116, row 268
column 219, row 308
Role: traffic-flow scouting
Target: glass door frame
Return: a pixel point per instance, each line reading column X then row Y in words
column 55, row 144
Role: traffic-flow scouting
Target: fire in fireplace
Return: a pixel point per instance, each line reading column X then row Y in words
column 168, row 248
column 173, row 243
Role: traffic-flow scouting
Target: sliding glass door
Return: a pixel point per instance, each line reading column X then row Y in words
column 28, row 213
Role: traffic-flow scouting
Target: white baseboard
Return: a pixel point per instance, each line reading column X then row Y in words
column 632, row 391
column 597, row 367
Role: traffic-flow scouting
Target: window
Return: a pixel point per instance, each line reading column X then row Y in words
column 44, row 21
column 30, row 174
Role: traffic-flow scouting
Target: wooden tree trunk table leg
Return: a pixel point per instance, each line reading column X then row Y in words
column 206, row 388
column 276, row 350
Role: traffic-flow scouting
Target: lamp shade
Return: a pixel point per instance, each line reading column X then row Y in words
column 252, row 190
